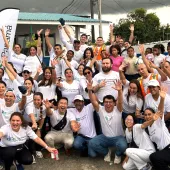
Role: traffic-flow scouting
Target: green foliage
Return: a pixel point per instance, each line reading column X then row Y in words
column 147, row 26
column 32, row 42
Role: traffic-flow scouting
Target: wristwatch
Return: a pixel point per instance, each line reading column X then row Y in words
column 39, row 128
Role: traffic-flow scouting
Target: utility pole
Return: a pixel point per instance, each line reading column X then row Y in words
column 100, row 17
column 92, row 3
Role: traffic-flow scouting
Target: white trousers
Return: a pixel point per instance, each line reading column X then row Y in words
column 138, row 158
column 54, row 138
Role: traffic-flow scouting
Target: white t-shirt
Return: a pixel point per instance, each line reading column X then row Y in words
column 140, row 137
column 158, row 59
column 34, row 63
column 166, row 84
column 107, row 89
column 21, row 81
column 56, row 117
column 17, row 60
column 78, row 55
column 86, row 120
column 48, row 91
column 151, row 103
column 70, row 91
column 133, row 103
column 83, row 84
column 36, row 113
column 6, row 112
column 12, row 138
column 159, row 133
column 111, row 122
column 64, row 66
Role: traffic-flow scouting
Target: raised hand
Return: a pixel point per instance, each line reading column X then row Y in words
column 141, row 49
column 47, row 104
column 157, row 115
column 39, row 69
column 117, row 85
column 102, row 83
column 89, row 85
column 152, row 65
column 54, row 62
column 111, row 26
column 47, row 32
column 122, row 66
column 163, row 91
column 59, row 27
column 58, row 83
column 132, row 28
column 39, row 32
column 34, row 126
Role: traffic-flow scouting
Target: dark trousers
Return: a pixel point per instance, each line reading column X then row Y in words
column 161, row 159
column 21, row 154
column 131, row 77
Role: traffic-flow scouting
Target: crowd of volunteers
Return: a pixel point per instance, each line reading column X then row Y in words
column 90, row 98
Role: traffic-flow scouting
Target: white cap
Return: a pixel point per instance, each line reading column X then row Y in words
column 27, row 68
column 153, row 82
column 78, row 97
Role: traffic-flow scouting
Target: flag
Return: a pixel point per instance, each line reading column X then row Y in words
column 8, row 20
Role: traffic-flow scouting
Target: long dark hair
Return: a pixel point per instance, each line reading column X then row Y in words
column 117, row 48
column 139, row 91
column 24, row 123
column 42, row 83
column 88, row 49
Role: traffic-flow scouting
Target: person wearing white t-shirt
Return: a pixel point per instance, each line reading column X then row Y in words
column 63, row 124
column 104, row 81
column 70, row 87
column 2, row 91
column 13, row 138
column 140, row 146
column 146, row 76
column 10, row 106
column 16, row 57
column 158, row 134
column 84, row 117
column 110, row 116
column 78, row 54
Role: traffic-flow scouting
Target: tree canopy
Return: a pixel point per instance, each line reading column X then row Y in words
column 147, row 26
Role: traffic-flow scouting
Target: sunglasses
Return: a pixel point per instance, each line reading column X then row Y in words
column 26, row 72
column 87, row 73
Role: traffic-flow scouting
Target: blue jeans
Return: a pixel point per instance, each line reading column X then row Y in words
column 101, row 143
column 81, row 142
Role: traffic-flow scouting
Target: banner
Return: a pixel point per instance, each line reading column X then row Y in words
column 8, row 20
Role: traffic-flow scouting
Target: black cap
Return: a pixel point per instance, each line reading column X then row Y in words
column 76, row 41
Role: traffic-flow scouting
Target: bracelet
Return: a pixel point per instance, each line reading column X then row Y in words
column 46, row 146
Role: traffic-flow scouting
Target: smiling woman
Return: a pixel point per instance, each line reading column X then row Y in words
column 12, row 145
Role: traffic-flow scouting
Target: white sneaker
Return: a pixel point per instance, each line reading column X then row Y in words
column 107, row 158
column 117, row 159
column 34, row 161
column 147, row 167
column 39, row 154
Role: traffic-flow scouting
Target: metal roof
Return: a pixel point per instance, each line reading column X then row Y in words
column 26, row 16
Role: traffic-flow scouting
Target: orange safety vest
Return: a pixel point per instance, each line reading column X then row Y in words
column 98, row 52
column 153, row 76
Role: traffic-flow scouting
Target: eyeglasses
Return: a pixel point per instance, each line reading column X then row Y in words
column 26, row 71
column 87, row 73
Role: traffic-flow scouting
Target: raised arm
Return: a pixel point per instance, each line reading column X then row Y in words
column 92, row 96
column 161, row 73
column 48, row 105
column 68, row 34
column 146, row 62
column 132, row 28
column 4, row 38
column 166, row 70
column 121, row 74
column 118, row 86
column 54, row 76
column 39, row 49
column 112, row 39
column 47, row 40
column 67, row 62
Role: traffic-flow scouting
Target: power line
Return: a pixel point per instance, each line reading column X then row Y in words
column 67, row 6
column 70, row 8
column 78, row 6
column 158, row 3
column 120, row 6
column 110, row 7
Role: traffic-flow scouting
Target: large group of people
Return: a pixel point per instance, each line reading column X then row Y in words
column 90, row 98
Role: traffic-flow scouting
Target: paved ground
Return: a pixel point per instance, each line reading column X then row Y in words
column 73, row 162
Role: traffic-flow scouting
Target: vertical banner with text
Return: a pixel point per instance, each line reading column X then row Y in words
column 8, row 20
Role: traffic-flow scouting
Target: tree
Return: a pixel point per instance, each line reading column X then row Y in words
column 147, row 26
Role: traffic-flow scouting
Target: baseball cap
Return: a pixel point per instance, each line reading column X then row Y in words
column 76, row 41
column 153, row 83
column 27, row 68
column 78, row 97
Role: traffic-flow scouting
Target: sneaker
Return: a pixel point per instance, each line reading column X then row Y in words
column 117, row 159
column 107, row 158
column 39, row 154
column 147, row 167
column 34, row 161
